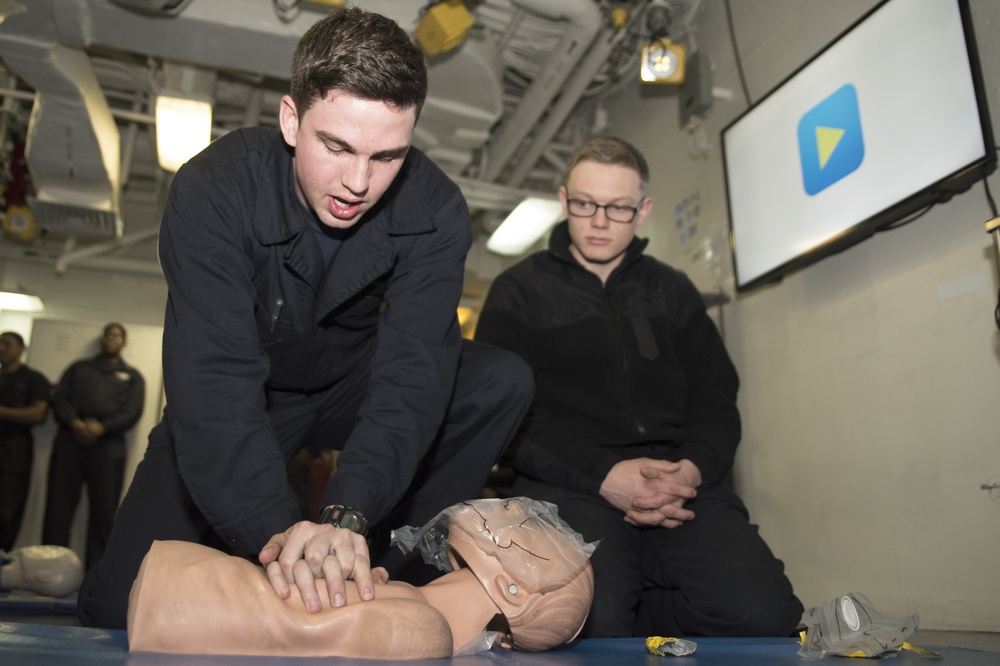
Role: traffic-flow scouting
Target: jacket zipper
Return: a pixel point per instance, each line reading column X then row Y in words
column 622, row 350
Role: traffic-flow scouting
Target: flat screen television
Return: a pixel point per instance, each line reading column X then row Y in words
column 888, row 119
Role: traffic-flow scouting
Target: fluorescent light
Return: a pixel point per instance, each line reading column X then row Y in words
column 525, row 226
column 183, row 129
column 10, row 300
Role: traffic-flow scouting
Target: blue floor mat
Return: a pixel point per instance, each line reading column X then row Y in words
column 42, row 644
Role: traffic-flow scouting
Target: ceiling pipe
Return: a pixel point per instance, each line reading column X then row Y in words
column 496, row 197
column 49, row 256
column 583, row 19
column 97, row 249
column 595, row 59
column 222, row 34
column 129, row 138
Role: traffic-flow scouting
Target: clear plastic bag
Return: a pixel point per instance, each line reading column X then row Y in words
column 532, row 573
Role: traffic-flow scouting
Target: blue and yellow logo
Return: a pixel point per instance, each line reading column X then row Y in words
column 830, row 142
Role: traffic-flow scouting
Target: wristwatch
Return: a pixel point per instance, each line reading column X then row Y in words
column 346, row 517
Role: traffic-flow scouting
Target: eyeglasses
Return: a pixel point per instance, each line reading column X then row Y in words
column 114, row 338
column 614, row 212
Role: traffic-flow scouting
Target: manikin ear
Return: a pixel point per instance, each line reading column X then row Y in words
column 507, row 594
column 288, row 120
column 508, row 597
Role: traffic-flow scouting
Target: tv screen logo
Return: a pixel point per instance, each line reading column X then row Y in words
column 830, row 141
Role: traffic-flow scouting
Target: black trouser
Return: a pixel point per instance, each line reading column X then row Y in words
column 102, row 466
column 17, row 451
column 493, row 390
column 712, row 576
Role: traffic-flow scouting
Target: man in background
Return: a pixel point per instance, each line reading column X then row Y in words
column 24, row 402
column 95, row 403
column 634, row 423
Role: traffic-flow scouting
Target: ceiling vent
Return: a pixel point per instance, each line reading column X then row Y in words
column 73, row 144
column 67, row 219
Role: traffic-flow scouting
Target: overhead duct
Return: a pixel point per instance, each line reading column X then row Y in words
column 73, row 145
column 583, row 19
column 557, row 114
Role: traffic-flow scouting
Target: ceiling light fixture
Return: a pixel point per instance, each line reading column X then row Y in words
column 525, row 226
column 183, row 114
column 12, row 300
column 660, row 60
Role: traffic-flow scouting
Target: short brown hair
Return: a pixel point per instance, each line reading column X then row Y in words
column 610, row 150
column 360, row 53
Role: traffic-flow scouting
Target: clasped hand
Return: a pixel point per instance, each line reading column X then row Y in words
column 652, row 493
column 86, row 431
column 309, row 551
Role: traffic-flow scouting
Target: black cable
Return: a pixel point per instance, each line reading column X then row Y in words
column 996, row 311
column 736, row 54
column 915, row 216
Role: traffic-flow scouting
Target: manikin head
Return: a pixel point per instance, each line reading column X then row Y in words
column 51, row 570
column 533, row 566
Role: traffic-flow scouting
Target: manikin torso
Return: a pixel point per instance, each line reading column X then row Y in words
column 228, row 603
column 511, row 560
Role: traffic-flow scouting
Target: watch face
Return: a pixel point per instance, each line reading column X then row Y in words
column 350, row 520
column 345, row 517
